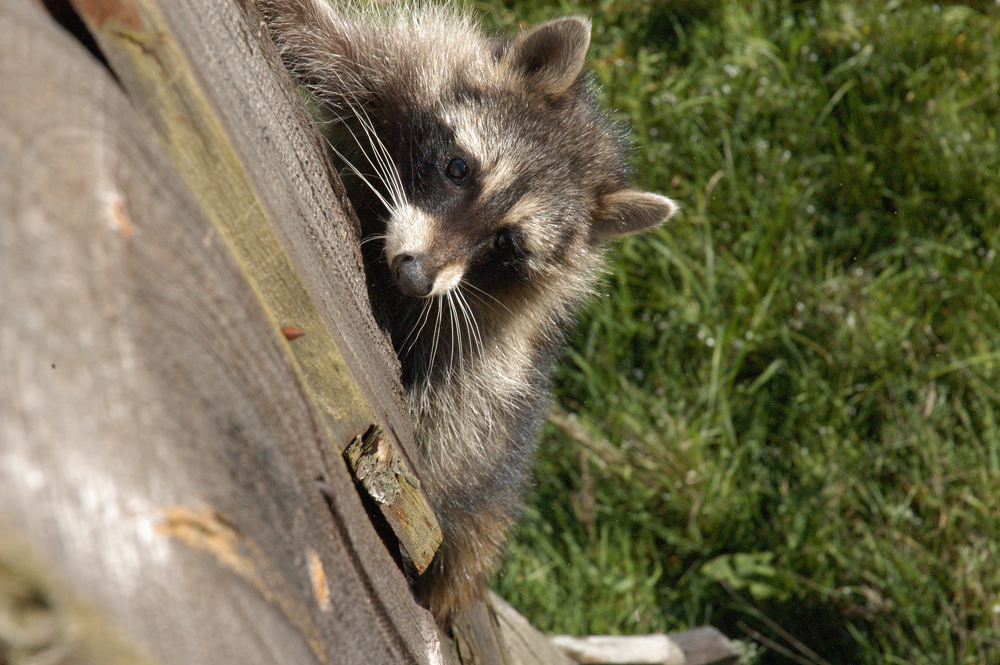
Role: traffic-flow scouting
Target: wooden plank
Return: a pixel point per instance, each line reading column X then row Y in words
column 158, row 453
column 157, row 75
column 634, row 649
column 706, row 645
column 161, row 53
column 701, row 646
column 44, row 621
column 477, row 637
column 527, row 645
column 377, row 466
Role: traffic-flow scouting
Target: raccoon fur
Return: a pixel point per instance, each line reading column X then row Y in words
column 486, row 181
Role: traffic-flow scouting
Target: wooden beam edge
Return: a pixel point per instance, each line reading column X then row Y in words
column 137, row 41
column 378, row 466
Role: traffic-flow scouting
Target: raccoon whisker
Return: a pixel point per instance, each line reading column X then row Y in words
column 386, row 168
column 356, row 108
column 389, row 167
column 456, row 308
column 488, row 295
column 418, row 326
column 354, row 169
column 386, row 171
column 344, row 171
column 479, row 300
column 381, row 169
column 463, row 309
column 453, row 321
column 374, row 236
column 459, row 315
column 409, row 311
column 451, row 326
column 333, row 65
column 437, row 334
column 471, row 322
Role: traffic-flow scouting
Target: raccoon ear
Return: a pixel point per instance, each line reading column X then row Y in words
column 630, row 211
column 552, row 55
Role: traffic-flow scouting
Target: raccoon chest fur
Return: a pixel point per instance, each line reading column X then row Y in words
column 487, row 181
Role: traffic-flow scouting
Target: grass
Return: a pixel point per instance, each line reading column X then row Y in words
column 783, row 418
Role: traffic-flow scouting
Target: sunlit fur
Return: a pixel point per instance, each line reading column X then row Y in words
column 508, row 254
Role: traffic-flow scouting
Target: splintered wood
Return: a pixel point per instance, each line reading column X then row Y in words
column 381, row 471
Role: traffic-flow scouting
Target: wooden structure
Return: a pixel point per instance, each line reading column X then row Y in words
column 186, row 351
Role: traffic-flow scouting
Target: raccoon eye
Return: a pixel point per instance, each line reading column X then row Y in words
column 457, row 170
column 503, row 241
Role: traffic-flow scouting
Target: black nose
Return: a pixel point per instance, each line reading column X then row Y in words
column 409, row 274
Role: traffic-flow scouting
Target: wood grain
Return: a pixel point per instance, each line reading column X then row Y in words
column 157, row 451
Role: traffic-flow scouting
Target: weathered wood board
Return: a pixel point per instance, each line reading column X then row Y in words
column 157, row 451
column 163, row 54
column 207, row 79
column 701, row 646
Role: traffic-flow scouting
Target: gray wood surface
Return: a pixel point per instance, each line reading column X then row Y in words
column 701, row 646
column 656, row 649
column 261, row 113
column 157, row 452
column 158, row 51
column 706, row 645
column 527, row 645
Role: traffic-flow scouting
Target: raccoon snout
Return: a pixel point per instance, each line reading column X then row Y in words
column 410, row 276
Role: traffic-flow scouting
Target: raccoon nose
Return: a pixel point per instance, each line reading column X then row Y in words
column 409, row 274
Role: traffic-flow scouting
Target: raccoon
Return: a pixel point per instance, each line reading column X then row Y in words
column 486, row 180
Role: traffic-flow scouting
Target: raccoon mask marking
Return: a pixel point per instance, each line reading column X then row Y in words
column 486, row 181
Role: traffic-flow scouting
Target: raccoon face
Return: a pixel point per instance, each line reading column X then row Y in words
column 512, row 175
column 463, row 219
column 477, row 161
